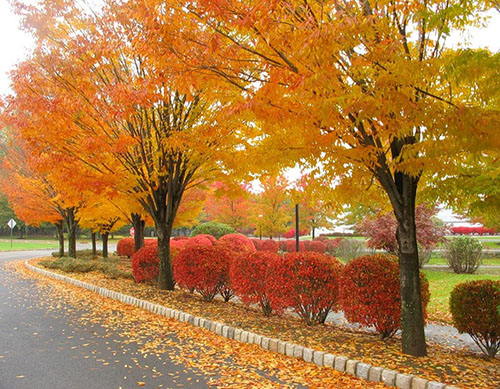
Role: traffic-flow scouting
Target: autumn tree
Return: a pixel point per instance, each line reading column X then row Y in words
column 381, row 229
column 159, row 131
column 271, row 210
column 229, row 205
column 362, row 86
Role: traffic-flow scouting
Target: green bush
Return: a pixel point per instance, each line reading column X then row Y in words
column 85, row 265
column 463, row 254
column 474, row 307
column 213, row 228
column 348, row 249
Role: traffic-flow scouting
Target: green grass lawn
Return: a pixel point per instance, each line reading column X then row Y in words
column 441, row 284
column 435, row 260
column 26, row 245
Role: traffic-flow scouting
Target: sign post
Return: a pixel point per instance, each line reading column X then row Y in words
column 11, row 223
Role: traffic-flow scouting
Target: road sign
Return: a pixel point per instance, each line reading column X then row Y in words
column 132, row 231
column 11, row 223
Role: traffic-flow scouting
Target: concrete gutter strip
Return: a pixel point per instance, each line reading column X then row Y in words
column 320, row 358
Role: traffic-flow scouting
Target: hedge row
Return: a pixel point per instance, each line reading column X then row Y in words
column 313, row 284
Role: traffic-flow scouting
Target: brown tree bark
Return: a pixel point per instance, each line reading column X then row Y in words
column 138, row 223
column 94, row 244
column 60, row 235
column 71, row 226
column 104, row 238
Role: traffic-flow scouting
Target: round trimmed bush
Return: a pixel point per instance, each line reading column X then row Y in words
column 151, row 242
column 204, row 269
column 199, row 240
column 307, row 282
column 307, row 245
column 370, row 293
column 322, row 239
column 125, row 247
column 237, row 244
column 256, row 242
column 463, row 254
column 268, row 245
column 291, row 246
column 145, row 264
column 474, row 308
column 213, row 228
column 317, row 247
column 282, row 245
column 332, row 244
column 248, row 277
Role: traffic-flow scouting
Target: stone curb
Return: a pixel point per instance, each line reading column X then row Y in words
column 320, row 358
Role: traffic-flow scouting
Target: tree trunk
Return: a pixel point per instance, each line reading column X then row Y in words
column 94, row 244
column 138, row 223
column 71, row 226
column 104, row 237
column 412, row 318
column 60, row 234
column 297, row 245
column 313, row 232
column 165, row 275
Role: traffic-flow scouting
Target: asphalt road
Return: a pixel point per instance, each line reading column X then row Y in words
column 42, row 347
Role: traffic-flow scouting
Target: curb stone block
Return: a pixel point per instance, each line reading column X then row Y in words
column 196, row 321
column 289, row 349
column 230, row 332
column 251, row 337
column 418, row 383
column 329, row 360
column 307, row 354
column 213, row 326
column 273, row 345
column 237, row 334
column 218, row 329
column 281, row 347
column 363, row 370
column 375, row 374
column 350, row 367
column 225, row 331
column 257, row 339
column 403, row 381
column 298, row 351
column 265, row 343
column 435, row 385
column 318, row 357
column 389, row 377
column 340, row 363
column 244, row 337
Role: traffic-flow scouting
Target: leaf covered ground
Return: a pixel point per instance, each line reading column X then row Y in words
column 443, row 364
column 219, row 362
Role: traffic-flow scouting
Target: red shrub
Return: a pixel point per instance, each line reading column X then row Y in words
column 370, row 295
column 317, row 246
column 332, row 244
column 237, row 244
column 203, row 269
column 207, row 236
column 125, row 247
column 145, row 264
column 322, row 239
column 307, row 244
column 291, row 246
column 248, row 277
column 474, row 307
column 199, row 240
column 306, row 282
column 268, row 245
column 180, row 238
column 282, row 245
column 151, row 242
column 291, row 233
column 257, row 243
